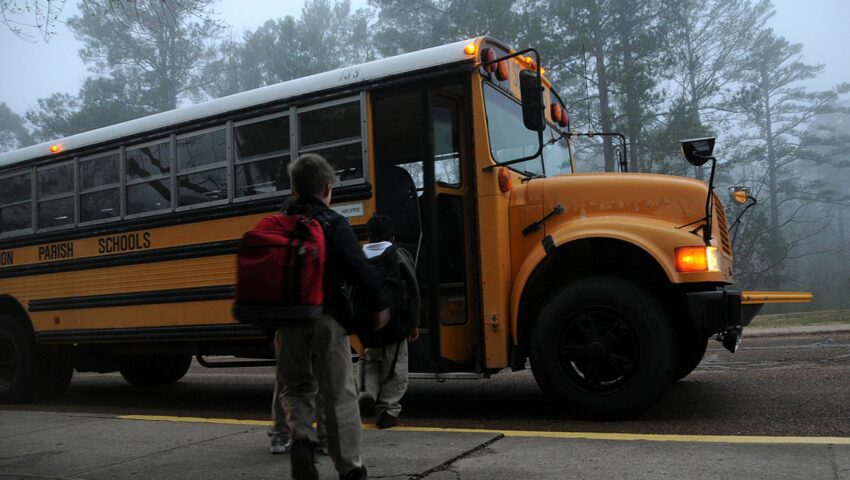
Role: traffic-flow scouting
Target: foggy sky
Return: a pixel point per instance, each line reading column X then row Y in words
column 33, row 71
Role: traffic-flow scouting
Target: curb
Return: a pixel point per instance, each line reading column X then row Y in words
column 785, row 331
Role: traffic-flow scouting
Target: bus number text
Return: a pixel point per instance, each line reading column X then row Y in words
column 349, row 74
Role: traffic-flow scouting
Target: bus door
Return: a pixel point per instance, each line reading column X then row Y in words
column 421, row 159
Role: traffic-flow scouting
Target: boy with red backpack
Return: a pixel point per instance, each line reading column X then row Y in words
column 314, row 346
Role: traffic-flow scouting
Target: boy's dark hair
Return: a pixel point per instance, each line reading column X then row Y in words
column 309, row 174
column 380, row 228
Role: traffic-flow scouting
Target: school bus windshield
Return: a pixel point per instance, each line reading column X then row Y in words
column 509, row 139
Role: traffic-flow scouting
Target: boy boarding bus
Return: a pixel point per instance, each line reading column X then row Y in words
column 117, row 245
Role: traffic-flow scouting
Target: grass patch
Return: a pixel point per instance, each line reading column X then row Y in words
column 820, row 317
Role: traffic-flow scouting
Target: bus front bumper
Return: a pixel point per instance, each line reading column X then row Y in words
column 726, row 313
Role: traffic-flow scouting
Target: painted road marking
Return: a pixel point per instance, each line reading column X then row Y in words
column 647, row 437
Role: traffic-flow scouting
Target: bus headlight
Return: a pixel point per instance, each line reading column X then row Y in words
column 697, row 259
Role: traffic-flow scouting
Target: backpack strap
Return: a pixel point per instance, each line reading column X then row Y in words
column 323, row 217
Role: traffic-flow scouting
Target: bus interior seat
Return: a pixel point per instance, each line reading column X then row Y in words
column 398, row 200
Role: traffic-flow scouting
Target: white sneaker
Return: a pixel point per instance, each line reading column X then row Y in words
column 279, row 444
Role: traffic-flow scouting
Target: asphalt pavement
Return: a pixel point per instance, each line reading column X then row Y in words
column 53, row 445
column 41, row 445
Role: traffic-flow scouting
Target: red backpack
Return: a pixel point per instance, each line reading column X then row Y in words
column 279, row 270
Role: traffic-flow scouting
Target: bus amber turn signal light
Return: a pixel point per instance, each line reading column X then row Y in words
column 505, row 181
column 559, row 115
column 488, row 55
column 697, row 259
column 502, row 70
column 564, row 122
column 470, row 49
column 55, row 148
column 556, row 111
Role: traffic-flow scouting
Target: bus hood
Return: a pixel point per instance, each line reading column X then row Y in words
column 677, row 200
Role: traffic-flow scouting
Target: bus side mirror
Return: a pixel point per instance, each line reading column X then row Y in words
column 531, row 90
column 698, row 150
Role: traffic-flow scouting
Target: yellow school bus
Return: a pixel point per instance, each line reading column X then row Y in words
column 117, row 245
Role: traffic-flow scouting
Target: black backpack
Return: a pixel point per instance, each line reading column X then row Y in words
column 400, row 288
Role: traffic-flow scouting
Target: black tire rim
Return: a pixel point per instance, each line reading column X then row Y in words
column 8, row 362
column 598, row 349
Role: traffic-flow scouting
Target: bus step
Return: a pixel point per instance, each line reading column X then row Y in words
column 234, row 363
column 447, row 376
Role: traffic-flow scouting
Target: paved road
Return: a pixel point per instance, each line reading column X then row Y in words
column 784, row 386
column 776, row 410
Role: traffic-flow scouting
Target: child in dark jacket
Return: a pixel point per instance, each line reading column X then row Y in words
column 384, row 370
column 315, row 353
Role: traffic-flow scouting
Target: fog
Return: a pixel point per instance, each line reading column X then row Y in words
column 770, row 90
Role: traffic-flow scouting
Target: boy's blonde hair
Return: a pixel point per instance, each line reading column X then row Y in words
column 309, row 174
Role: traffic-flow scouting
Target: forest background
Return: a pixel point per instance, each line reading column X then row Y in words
column 655, row 70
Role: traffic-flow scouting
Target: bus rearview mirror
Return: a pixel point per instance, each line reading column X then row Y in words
column 531, row 90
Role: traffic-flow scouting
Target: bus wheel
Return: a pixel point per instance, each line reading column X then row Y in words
column 18, row 368
column 691, row 350
column 154, row 370
column 29, row 371
column 605, row 347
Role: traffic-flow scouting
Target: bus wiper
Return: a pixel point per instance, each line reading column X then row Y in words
column 530, row 175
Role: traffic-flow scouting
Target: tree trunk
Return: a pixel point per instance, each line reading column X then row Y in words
column 606, row 120
column 774, row 254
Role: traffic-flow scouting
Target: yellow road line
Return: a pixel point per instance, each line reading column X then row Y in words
column 646, row 437
column 220, row 421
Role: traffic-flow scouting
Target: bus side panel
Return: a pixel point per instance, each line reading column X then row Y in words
column 135, row 316
column 98, row 293
column 495, row 278
column 493, row 242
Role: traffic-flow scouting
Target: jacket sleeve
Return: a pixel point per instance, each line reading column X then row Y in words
column 408, row 269
column 347, row 256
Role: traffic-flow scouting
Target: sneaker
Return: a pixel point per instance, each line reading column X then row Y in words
column 355, row 474
column 367, row 405
column 385, row 420
column 279, row 444
column 303, row 461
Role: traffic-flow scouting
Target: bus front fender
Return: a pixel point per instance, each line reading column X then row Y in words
column 658, row 239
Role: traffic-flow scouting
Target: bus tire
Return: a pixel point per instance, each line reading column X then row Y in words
column 29, row 371
column 604, row 347
column 691, row 350
column 155, row 370
column 18, row 365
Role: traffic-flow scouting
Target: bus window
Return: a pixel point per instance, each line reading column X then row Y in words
column 56, row 195
column 148, row 178
column 99, row 188
column 335, row 132
column 16, row 202
column 446, row 144
column 148, row 161
column 261, row 156
column 203, row 156
column 509, row 139
column 556, row 153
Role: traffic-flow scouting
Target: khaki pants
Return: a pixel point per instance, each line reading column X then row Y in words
column 279, row 427
column 330, row 370
column 374, row 370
